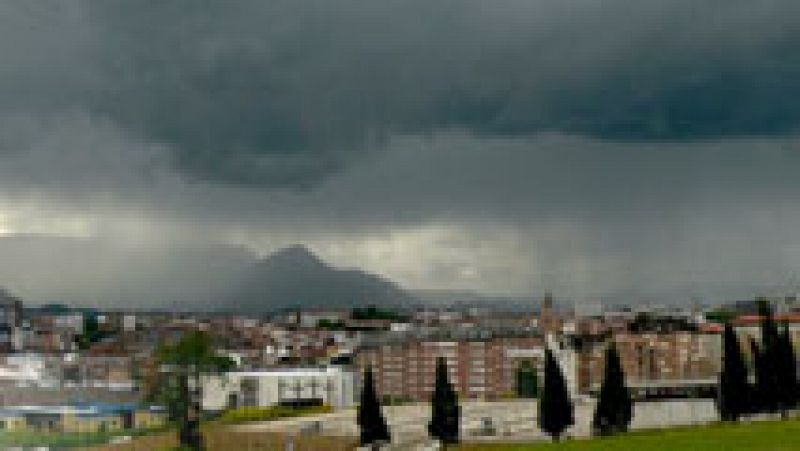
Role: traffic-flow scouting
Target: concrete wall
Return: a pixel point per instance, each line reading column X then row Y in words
column 656, row 414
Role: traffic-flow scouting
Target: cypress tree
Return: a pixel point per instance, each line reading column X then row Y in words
column 791, row 371
column 445, row 412
column 768, row 362
column 733, row 388
column 370, row 419
column 527, row 381
column 787, row 371
column 754, row 403
column 615, row 407
column 555, row 407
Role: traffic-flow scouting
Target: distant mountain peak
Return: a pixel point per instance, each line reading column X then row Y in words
column 295, row 255
column 295, row 276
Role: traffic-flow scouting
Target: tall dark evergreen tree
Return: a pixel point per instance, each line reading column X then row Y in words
column 615, row 407
column 445, row 411
column 734, row 390
column 555, row 408
column 787, row 371
column 768, row 387
column 791, row 370
column 527, row 381
column 754, row 403
column 370, row 418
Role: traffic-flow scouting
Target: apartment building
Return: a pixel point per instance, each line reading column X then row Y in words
column 482, row 365
column 661, row 361
column 10, row 321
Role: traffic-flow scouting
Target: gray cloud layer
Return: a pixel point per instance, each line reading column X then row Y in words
column 284, row 93
column 615, row 149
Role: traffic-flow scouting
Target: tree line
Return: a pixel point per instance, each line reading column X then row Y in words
column 556, row 411
column 445, row 411
column 772, row 388
column 772, row 385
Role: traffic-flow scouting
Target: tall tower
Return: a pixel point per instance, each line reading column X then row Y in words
column 550, row 324
column 547, row 303
column 548, row 319
column 10, row 321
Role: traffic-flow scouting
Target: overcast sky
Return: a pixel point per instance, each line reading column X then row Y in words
column 615, row 150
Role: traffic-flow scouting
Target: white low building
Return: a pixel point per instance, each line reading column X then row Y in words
column 26, row 370
column 336, row 386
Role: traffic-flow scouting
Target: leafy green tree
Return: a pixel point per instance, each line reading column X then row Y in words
column 555, row 407
column 180, row 367
column 721, row 315
column 373, row 313
column 615, row 407
column 734, row 390
column 527, row 381
column 370, row 418
column 445, row 411
column 91, row 332
column 330, row 325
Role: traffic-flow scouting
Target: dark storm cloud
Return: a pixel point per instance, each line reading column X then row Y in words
column 285, row 93
column 596, row 148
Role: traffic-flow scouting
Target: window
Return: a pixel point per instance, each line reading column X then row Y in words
column 249, row 389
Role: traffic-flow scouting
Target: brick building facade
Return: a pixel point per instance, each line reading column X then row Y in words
column 480, row 368
column 652, row 358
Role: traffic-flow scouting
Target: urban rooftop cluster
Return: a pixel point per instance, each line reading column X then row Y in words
column 59, row 363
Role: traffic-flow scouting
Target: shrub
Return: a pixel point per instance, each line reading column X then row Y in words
column 244, row 414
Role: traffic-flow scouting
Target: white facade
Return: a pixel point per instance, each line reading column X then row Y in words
column 335, row 386
column 568, row 361
column 25, row 369
column 312, row 318
column 129, row 323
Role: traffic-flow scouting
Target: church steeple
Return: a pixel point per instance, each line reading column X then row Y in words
column 549, row 322
column 547, row 303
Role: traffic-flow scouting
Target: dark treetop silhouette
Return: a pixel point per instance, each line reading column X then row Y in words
column 370, row 418
column 614, row 407
column 734, row 396
column 555, row 407
column 445, row 412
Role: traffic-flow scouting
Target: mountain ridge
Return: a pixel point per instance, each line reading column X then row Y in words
column 296, row 277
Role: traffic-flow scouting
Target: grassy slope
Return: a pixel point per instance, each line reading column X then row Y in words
column 772, row 435
column 223, row 439
column 33, row 439
column 219, row 436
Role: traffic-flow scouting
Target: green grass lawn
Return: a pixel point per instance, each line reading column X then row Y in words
column 67, row 440
column 767, row 435
column 245, row 414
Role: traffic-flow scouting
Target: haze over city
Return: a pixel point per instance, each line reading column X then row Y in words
column 630, row 152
